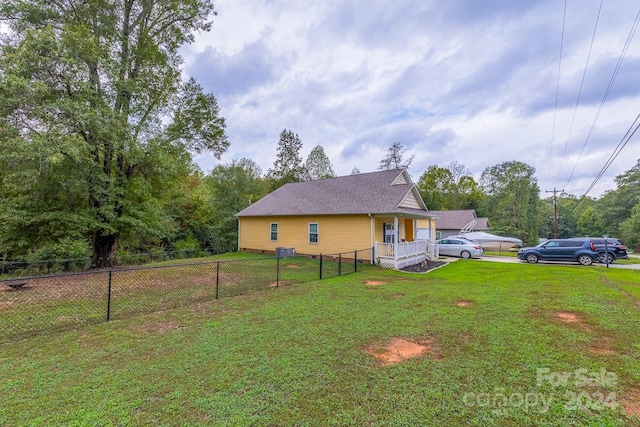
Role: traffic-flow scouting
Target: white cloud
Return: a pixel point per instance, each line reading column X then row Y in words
column 463, row 80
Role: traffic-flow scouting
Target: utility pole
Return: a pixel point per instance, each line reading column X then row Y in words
column 555, row 211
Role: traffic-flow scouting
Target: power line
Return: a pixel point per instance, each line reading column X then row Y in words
column 606, row 94
column 623, row 142
column 555, row 108
column 584, row 73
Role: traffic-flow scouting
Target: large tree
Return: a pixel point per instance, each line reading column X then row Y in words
column 288, row 166
column 395, row 158
column 435, row 186
column 616, row 206
column 512, row 199
column 451, row 187
column 95, row 87
column 233, row 187
column 318, row 164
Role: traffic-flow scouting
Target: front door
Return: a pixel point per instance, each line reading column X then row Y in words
column 388, row 232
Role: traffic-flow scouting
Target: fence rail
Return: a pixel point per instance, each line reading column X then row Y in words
column 32, row 305
column 15, row 267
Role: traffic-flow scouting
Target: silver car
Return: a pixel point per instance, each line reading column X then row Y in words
column 463, row 248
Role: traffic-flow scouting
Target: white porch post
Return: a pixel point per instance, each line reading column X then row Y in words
column 395, row 241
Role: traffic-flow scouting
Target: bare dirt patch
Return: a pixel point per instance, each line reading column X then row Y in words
column 400, row 349
column 293, row 266
column 374, row 283
column 572, row 319
column 602, row 347
column 631, row 402
column 464, row 303
column 568, row 317
column 397, row 295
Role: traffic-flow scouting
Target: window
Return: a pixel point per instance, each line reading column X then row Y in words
column 313, row 232
column 438, row 235
column 274, row 232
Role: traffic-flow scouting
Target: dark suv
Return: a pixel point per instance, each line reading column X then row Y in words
column 615, row 248
column 582, row 251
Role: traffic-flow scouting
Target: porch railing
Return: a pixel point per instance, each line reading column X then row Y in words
column 422, row 247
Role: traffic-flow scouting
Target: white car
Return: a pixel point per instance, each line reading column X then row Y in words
column 456, row 246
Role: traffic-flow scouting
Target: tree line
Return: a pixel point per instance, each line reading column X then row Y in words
column 98, row 130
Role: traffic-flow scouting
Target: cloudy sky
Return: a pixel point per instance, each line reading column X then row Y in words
column 459, row 80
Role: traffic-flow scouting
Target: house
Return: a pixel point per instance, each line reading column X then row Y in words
column 451, row 222
column 338, row 215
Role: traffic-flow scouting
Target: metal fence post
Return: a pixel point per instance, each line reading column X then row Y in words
column 340, row 264
column 277, row 272
column 109, row 298
column 217, row 278
column 320, row 266
column 355, row 261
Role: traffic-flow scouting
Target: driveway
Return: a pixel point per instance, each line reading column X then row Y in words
column 513, row 260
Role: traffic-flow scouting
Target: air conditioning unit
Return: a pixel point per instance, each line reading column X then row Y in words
column 285, row 252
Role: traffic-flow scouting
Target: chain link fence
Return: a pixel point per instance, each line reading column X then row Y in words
column 51, row 266
column 30, row 305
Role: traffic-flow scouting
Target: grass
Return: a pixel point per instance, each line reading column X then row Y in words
column 298, row 355
column 513, row 254
column 49, row 303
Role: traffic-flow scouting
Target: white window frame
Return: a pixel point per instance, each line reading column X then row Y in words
column 317, row 233
column 271, row 231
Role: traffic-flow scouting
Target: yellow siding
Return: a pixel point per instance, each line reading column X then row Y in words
column 378, row 235
column 339, row 233
column 426, row 223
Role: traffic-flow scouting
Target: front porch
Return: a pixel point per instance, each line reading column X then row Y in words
column 402, row 254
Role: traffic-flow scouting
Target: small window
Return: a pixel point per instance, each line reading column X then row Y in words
column 313, row 232
column 274, row 232
column 438, row 235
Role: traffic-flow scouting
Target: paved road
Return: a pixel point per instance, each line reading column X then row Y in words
column 513, row 260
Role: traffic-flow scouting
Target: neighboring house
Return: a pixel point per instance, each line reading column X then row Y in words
column 340, row 215
column 451, row 222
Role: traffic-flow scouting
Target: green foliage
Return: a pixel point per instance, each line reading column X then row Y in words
column 449, row 188
column 616, row 206
column 395, row 158
column 232, row 187
column 512, row 199
column 567, row 217
column 435, row 185
column 318, row 164
column 630, row 229
column 66, row 254
column 62, row 250
column 590, row 223
column 288, row 166
column 92, row 105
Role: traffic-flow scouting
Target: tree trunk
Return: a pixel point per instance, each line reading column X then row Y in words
column 104, row 250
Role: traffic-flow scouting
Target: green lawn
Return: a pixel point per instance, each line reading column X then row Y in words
column 300, row 355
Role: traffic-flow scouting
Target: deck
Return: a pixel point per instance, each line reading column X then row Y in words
column 403, row 254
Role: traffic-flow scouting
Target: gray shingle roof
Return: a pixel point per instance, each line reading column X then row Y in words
column 455, row 220
column 353, row 194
